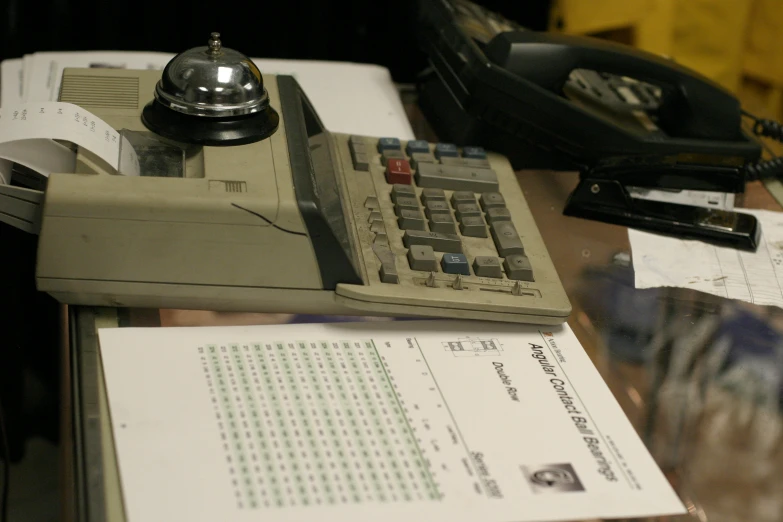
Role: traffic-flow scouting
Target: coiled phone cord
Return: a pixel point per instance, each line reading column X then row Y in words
column 765, row 169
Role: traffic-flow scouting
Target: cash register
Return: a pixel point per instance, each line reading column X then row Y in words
column 245, row 202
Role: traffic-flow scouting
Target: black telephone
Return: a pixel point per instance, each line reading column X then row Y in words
column 620, row 116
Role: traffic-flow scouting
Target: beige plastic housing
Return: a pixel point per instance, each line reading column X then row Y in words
column 197, row 242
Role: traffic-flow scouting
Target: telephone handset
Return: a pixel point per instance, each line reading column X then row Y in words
column 692, row 106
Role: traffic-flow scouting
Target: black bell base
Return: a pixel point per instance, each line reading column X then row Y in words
column 211, row 132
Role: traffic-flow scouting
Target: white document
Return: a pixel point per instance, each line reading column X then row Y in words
column 408, row 420
column 660, row 261
column 45, row 73
column 350, row 98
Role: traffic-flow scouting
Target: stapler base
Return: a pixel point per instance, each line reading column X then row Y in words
column 608, row 201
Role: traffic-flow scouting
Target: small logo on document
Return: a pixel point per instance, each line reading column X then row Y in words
column 552, row 478
column 470, row 347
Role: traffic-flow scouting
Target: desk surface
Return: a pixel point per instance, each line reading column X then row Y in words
column 715, row 430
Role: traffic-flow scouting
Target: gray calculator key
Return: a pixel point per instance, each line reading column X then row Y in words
column 410, row 220
column 361, row 161
column 462, row 196
column 492, row 200
column 375, row 216
column 439, row 242
column 388, row 271
column 453, row 177
column 422, row 257
column 518, row 268
column 421, row 157
column 506, row 239
column 466, row 162
column 442, row 222
column 450, row 160
column 467, row 210
column 487, row 266
column 476, row 162
column 498, row 214
column 388, row 274
column 392, row 154
column 410, row 203
column 399, row 190
column 436, row 206
column 473, row 226
column 432, row 194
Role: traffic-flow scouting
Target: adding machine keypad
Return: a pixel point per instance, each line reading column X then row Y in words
column 442, row 196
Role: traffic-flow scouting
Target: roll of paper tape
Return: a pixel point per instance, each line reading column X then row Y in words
column 27, row 131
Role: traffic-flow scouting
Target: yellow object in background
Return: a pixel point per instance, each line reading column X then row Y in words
column 736, row 43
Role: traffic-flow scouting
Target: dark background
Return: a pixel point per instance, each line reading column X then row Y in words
column 369, row 31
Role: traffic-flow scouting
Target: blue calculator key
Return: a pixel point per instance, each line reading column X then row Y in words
column 455, row 264
column 446, row 150
column 417, row 146
column 388, row 144
column 474, row 152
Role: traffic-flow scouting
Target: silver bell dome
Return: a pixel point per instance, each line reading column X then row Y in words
column 212, row 81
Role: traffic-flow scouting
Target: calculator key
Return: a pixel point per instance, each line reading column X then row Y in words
column 439, row 242
column 442, row 222
column 421, row 157
column 371, row 202
column 506, row 239
column 402, row 191
column 386, row 155
column 474, row 152
column 461, row 197
column 398, row 171
column 415, row 146
column 492, row 200
column 389, row 143
column 467, row 210
column 518, row 268
column 431, row 194
column 422, row 257
column 375, row 216
column 487, row 266
column 436, row 206
column 353, row 141
column 434, row 175
column 445, row 149
column 388, row 271
column 465, row 162
column 388, row 274
column 473, row 226
column 361, row 161
column 410, row 220
column 476, row 162
column 406, row 203
column 498, row 214
column 451, row 160
column 455, row 264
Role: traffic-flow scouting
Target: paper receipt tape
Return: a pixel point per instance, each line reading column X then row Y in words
column 27, row 134
column 27, row 131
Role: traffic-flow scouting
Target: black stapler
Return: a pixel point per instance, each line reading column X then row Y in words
column 620, row 116
column 604, row 193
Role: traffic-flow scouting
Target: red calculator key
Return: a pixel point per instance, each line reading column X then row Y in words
column 398, row 171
